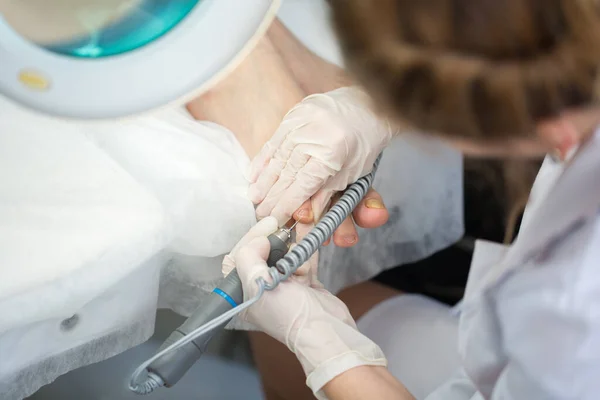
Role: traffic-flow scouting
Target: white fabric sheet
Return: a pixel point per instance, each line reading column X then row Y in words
column 72, row 222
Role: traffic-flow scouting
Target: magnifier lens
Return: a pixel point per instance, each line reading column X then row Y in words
column 93, row 28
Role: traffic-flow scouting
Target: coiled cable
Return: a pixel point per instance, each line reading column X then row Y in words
column 284, row 268
column 322, row 231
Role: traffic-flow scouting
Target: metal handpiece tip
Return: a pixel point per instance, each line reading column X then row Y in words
column 293, row 226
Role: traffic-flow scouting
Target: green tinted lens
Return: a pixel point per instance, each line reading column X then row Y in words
column 95, row 28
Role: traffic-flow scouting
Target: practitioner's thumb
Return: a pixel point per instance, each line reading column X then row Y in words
column 251, row 263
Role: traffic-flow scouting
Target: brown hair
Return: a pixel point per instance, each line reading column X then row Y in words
column 480, row 69
column 475, row 69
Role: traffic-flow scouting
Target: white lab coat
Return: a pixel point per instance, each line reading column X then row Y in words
column 530, row 320
column 529, row 324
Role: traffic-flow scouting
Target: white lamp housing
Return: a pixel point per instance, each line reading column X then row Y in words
column 187, row 61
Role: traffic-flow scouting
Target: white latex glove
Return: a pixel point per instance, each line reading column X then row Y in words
column 262, row 229
column 312, row 322
column 324, row 143
column 306, row 274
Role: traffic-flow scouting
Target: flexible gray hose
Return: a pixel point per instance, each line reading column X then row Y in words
column 322, row 231
column 284, row 268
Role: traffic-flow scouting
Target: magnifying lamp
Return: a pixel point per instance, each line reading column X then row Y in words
column 102, row 59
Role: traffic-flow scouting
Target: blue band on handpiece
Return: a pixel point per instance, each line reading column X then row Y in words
column 225, row 296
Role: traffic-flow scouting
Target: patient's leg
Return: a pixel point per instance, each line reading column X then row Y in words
column 313, row 74
column 277, row 74
column 252, row 100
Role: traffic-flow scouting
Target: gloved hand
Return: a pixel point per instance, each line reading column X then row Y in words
column 307, row 273
column 312, row 322
column 262, row 229
column 324, row 143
